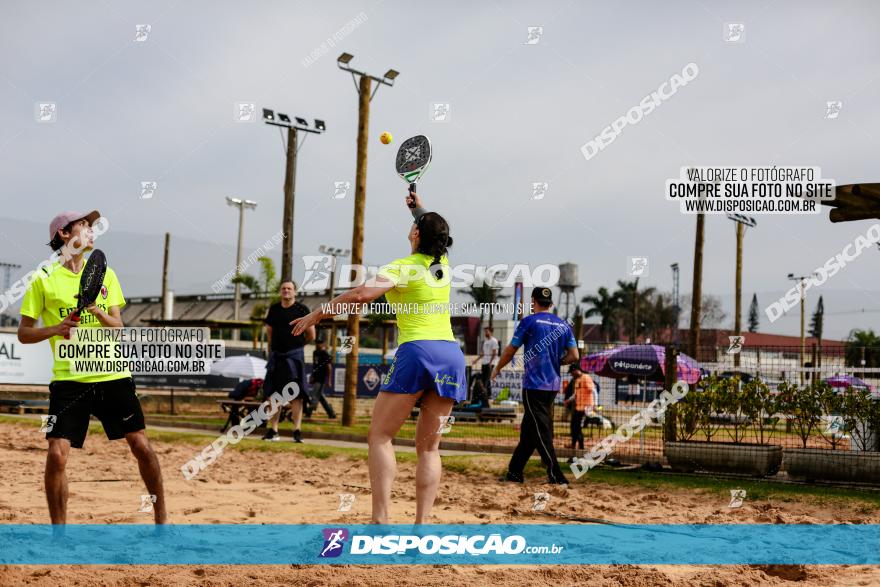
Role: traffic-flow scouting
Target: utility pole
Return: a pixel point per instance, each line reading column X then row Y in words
column 291, row 149
column 242, row 205
column 676, row 302
column 165, row 299
column 363, row 83
column 801, row 279
column 741, row 223
column 697, row 289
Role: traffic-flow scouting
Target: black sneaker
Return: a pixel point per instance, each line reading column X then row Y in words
column 558, row 479
column 271, row 435
column 331, row 416
column 297, row 436
column 512, row 478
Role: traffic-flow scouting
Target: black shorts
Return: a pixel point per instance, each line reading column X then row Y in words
column 114, row 403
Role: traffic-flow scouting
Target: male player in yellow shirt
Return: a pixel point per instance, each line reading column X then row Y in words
column 74, row 397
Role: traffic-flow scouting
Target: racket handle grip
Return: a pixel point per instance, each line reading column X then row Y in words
column 75, row 317
column 412, row 189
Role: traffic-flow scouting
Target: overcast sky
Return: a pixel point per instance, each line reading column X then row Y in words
column 163, row 110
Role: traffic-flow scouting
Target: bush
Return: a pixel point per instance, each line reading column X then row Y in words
column 803, row 406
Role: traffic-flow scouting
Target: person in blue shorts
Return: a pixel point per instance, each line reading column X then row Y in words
column 428, row 365
column 548, row 343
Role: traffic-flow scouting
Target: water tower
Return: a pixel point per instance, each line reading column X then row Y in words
column 568, row 282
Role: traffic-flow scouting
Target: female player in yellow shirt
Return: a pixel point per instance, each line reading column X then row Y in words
column 428, row 363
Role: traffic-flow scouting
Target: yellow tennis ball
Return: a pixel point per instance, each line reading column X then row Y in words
column 386, row 138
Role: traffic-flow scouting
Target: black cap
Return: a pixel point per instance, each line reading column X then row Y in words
column 543, row 295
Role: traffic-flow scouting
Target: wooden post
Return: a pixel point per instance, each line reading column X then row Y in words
column 737, row 320
column 165, row 276
column 287, row 217
column 697, row 290
column 669, row 422
column 349, row 401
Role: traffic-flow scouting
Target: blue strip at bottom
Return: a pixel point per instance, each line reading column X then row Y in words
column 824, row 544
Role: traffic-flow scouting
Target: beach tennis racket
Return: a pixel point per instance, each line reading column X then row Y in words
column 90, row 282
column 413, row 158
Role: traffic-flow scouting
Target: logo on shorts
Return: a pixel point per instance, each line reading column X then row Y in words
column 445, row 379
column 334, row 538
column 47, row 423
column 104, row 291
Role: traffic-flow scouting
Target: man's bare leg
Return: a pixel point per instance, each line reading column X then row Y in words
column 148, row 464
column 56, row 479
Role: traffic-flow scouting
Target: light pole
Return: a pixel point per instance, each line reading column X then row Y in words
column 741, row 223
column 334, row 252
column 363, row 83
column 291, row 149
column 800, row 279
column 242, row 205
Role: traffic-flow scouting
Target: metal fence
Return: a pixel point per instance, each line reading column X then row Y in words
column 757, row 412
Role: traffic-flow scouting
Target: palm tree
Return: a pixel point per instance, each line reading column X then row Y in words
column 632, row 298
column 659, row 314
column 604, row 305
column 267, row 284
column 485, row 294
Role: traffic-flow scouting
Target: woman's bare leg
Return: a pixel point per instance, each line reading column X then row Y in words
column 429, row 468
column 389, row 413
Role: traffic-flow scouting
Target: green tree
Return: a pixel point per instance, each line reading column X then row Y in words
column 267, row 284
column 631, row 300
column 862, row 345
column 604, row 305
column 485, row 294
column 818, row 320
column 754, row 317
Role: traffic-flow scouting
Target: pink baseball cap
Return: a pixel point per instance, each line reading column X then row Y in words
column 66, row 218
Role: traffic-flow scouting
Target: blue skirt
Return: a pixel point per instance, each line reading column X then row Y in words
column 428, row 364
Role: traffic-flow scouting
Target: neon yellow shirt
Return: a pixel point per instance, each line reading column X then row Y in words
column 421, row 301
column 51, row 298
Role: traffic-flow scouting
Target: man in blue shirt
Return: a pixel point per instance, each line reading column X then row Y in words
column 548, row 343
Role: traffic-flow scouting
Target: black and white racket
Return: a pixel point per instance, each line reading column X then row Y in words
column 90, row 282
column 413, row 158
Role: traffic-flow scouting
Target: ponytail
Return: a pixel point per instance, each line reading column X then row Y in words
column 434, row 240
